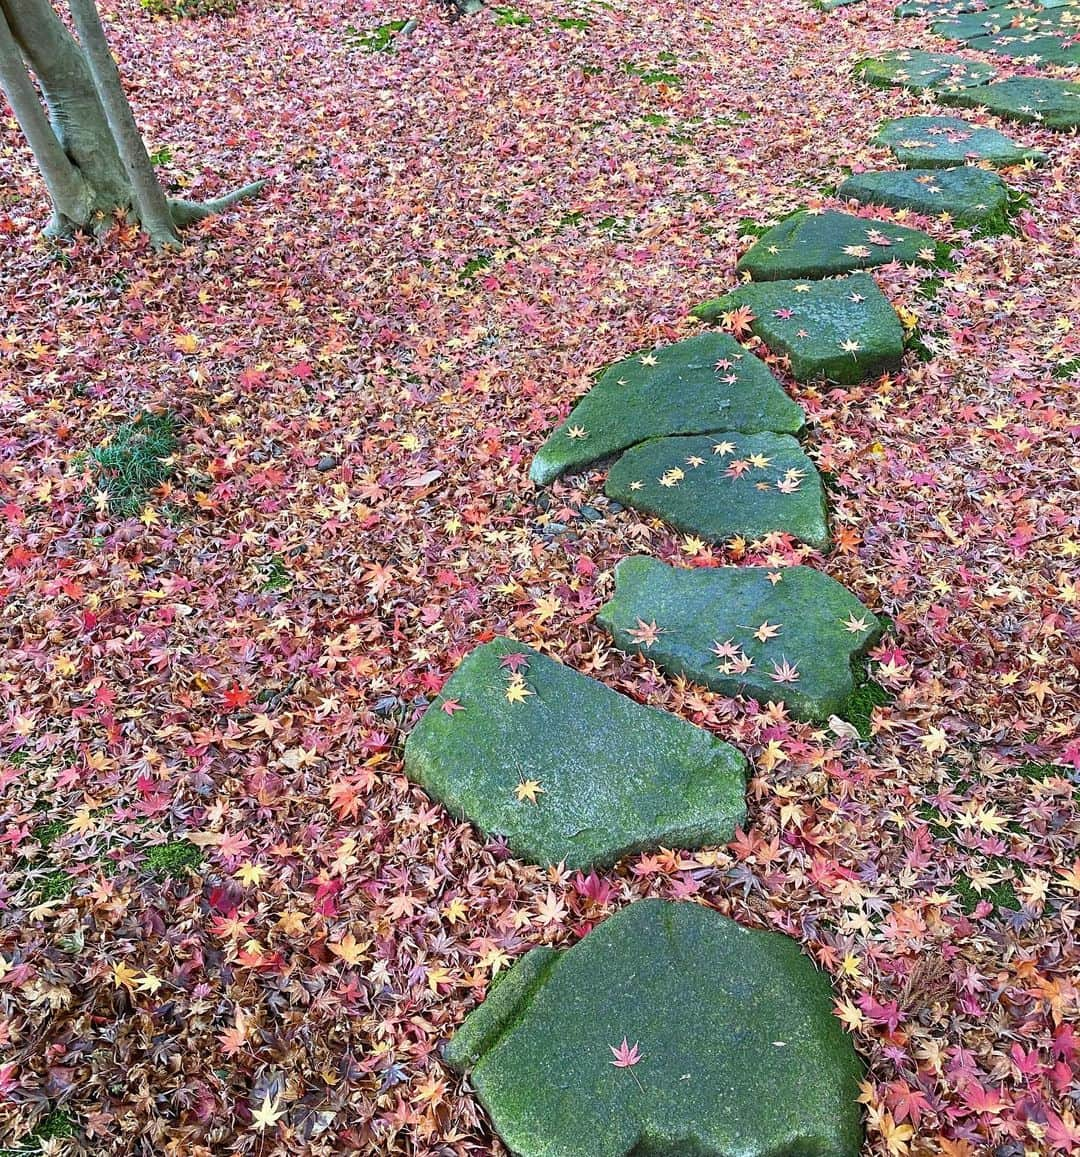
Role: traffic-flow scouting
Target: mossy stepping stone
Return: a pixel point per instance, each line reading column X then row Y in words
column 915, row 69
column 970, row 24
column 1037, row 48
column 790, row 634
column 843, row 329
column 1054, row 104
column 731, row 1046
column 567, row 769
column 970, row 196
column 930, row 142
column 719, row 487
column 704, row 384
column 809, row 244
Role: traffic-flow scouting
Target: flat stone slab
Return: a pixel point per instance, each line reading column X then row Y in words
column 843, row 329
column 1030, row 47
column 931, row 142
column 567, row 769
column 932, row 8
column 969, row 195
column 727, row 1040
column 719, row 487
column 704, row 384
column 915, row 69
column 743, row 631
column 966, row 25
column 810, row 244
column 1054, row 104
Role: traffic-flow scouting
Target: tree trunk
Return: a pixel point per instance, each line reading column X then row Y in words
column 150, row 203
column 75, row 112
column 89, row 149
column 69, row 192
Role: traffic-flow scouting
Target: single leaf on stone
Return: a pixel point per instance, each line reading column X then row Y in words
column 732, row 607
column 682, row 390
column 617, row 777
column 932, row 142
column 744, row 1054
column 810, row 320
column 823, row 244
column 718, row 498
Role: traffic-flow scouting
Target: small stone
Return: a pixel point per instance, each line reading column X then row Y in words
column 732, row 1045
column 969, row 195
column 824, row 244
column 918, row 70
column 706, row 383
column 614, row 777
column 720, row 486
column 326, row 462
column 842, row 329
column 740, row 631
column 1053, row 104
column 928, row 142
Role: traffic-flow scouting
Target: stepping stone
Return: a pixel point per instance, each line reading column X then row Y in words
column 919, row 70
column 843, row 329
column 704, row 384
column 741, row 631
column 1054, row 104
column 1034, row 48
column 944, row 142
column 809, row 244
column 567, row 769
column 971, row 24
column 731, row 1046
column 933, row 8
column 970, row 196
column 719, row 487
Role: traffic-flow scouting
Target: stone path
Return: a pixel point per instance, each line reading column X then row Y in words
column 818, row 244
column 568, row 770
column 843, row 329
column 792, row 634
column 668, row 1028
column 702, row 385
column 970, row 196
column 941, row 142
column 743, row 484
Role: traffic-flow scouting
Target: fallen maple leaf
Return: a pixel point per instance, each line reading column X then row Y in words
column 626, row 1055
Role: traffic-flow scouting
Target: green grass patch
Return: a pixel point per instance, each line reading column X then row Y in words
column 380, row 39
column 174, row 859
column 1040, row 771
column 859, row 708
column 474, row 266
column 512, row 17
column 648, row 74
column 136, row 460
column 48, row 833
column 1069, row 369
column 570, row 22
column 54, row 885
column 1001, row 895
column 278, row 577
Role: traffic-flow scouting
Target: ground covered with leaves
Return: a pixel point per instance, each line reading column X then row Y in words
column 260, row 497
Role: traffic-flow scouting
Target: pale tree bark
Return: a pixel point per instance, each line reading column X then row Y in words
column 89, row 125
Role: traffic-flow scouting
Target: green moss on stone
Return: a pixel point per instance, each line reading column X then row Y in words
column 739, row 1050
column 917, row 70
column 709, row 628
column 823, row 244
column 931, row 142
column 1053, row 104
column 970, row 196
column 615, row 777
column 858, row 710
column 843, row 329
column 717, row 487
column 702, row 385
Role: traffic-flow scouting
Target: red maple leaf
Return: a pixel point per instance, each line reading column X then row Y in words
column 514, row 661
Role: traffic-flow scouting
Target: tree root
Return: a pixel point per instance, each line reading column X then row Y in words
column 191, row 212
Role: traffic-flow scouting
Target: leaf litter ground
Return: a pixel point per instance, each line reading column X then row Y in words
column 226, row 913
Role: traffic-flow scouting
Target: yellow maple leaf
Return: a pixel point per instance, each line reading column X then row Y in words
column 528, row 789
column 349, row 950
column 517, row 692
column 267, row 1115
